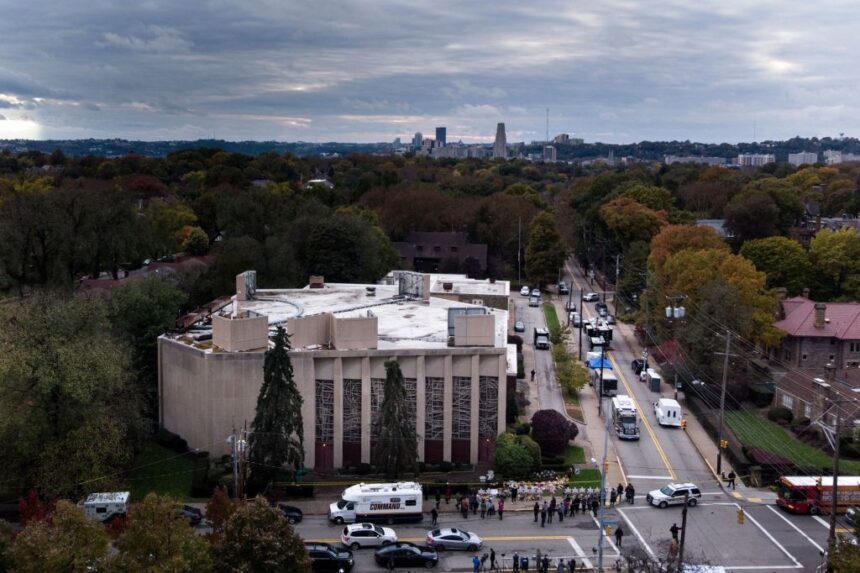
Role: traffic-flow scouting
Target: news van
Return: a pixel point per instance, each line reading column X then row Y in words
column 105, row 506
column 378, row 503
column 624, row 418
column 667, row 412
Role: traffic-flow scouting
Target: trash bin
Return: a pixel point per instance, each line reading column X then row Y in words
column 524, row 563
column 655, row 384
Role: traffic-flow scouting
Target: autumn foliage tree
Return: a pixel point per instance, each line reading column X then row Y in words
column 545, row 252
column 552, row 431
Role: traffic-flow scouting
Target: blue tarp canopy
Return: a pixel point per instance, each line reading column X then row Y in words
column 595, row 363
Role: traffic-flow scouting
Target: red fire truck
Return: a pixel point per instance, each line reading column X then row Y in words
column 814, row 494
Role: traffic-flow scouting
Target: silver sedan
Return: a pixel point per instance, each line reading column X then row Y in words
column 452, row 538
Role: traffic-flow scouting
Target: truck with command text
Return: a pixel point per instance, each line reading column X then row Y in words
column 378, row 503
column 814, row 494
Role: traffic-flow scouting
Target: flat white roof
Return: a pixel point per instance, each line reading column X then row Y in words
column 403, row 322
column 460, row 284
column 108, row 497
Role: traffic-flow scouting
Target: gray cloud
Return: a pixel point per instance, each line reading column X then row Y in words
column 317, row 70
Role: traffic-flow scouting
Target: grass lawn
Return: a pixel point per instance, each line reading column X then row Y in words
column 586, row 478
column 551, row 317
column 756, row 432
column 161, row 471
column 574, row 455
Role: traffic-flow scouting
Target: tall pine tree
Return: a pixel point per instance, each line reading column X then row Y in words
column 398, row 449
column 277, row 437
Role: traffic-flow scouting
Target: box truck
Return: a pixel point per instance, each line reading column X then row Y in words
column 378, row 503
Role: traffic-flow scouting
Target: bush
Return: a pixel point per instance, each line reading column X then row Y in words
column 363, row 469
column 446, row 467
column 513, row 460
column 780, row 415
column 512, row 410
column 761, row 395
column 171, row 441
column 533, row 449
column 552, row 431
column 522, row 428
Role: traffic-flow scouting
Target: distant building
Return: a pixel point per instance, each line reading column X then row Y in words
column 832, row 157
column 549, row 154
column 755, row 159
column 434, row 252
column 561, row 139
column 441, row 136
column 802, row 158
column 718, row 225
column 323, row 183
column 670, row 159
column 500, row 147
column 817, row 333
column 417, row 140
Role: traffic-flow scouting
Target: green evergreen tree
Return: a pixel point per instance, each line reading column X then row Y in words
column 277, row 436
column 398, row 449
column 545, row 252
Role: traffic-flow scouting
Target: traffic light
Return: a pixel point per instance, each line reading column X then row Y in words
column 683, row 423
column 724, row 444
column 740, row 517
column 608, row 531
column 606, row 466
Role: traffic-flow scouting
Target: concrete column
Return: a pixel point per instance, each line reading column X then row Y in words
column 503, row 394
column 309, row 414
column 447, row 409
column 420, row 404
column 365, row 410
column 338, row 412
column 475, row 399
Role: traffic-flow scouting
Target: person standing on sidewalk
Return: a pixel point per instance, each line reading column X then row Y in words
column 619, row 533
column 483, row 508
column 476, row 563
column 551, row 510
column 543, row 515
column 732, row 477
column 560, row 510
column 434, row 515
column 620, row 490
column 536, row 509
column 493, row 559
column 516, row 558
column 595, row 505
column 501, row 508
column 613, row 497
column 533, row 375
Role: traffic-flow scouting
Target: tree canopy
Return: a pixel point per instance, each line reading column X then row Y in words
column 545, row 252
column 397, row 452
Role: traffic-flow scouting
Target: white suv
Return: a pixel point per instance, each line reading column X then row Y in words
column 358, row 535
column 673, row 494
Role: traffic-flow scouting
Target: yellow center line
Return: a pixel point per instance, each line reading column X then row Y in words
column 617, row 370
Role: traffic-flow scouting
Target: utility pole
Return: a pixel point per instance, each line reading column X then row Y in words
column 600, row 396
column 519, row 250
column 570, row 298
column 602, row 494
column 830, row 368
column 233, row 450
column 683, row 533
column 581, row 318
column 617, row 274
column 723, row 403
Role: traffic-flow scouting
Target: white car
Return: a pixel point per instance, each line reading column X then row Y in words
column 590, row 297
column 535, row 292
column 358, row 535
column 673, row 494
column 525, row 291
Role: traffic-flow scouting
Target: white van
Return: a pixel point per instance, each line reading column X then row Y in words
column 667, row 412
column 378, row 502
column 105, row 506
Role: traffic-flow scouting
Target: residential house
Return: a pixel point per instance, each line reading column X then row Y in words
column 817, row 333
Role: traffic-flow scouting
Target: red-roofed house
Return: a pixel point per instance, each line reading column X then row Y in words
column 818, row 333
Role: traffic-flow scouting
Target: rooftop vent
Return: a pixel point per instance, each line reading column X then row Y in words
column 316, row 281
column 371, row 291
column 448, row 286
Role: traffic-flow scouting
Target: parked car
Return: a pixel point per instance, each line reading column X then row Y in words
column 562, row 288
column 519, row 326
column 326, row 558
column 453, row 538
column 293, row 514
column 673, row 494
column 358, row 535
column 610, row 319
column 406, row 555
column 570, row 306
column 638, row 365
column 192, row 514
column 590, row 297
column 576, row 319
column 601, row 306
column 852, row 515
column 525, row 291
column 536, row 292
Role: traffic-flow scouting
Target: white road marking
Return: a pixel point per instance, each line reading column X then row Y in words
column 650, row 477
column 782, row 517
column 769, row 536
column 608, row 537
column 579, row 552
column 639, row 535
column 821, row 521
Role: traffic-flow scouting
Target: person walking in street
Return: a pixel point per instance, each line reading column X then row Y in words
column 464, row 505
column 620, row 490
column 501, row 508
column 434, row 515
column 536, row 509
column 595, row 505
column 619, row 533
column 543, row 515
column 613, row 497
column 674, row 531
column 732, row 477
column 630, row 492
column 533, row 375
column 483, row 508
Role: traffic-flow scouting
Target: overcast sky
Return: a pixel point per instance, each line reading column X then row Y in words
column 608, row 70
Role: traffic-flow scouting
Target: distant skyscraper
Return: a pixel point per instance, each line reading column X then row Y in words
column 417, row 140
column 549, row 154
column 500, row 147
column 441, row 134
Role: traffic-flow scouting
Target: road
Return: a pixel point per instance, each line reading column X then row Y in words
column 769, row 539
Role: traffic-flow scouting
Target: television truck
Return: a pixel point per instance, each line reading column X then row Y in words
column 814, row 494
column 624, row 417
column 378, row 503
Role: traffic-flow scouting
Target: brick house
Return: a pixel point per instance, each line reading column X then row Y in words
column 808, row 395
column 817, row 333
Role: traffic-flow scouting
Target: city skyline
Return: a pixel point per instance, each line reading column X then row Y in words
column 616, row 72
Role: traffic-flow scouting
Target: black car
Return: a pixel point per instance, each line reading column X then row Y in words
column 601, row 306
column 191, row 513
column 407, row 555
column 293, row 514
column 326, row 558
column 637, row 365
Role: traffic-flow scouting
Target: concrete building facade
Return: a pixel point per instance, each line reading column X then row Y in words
column 802, row 158
column 453, row 355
